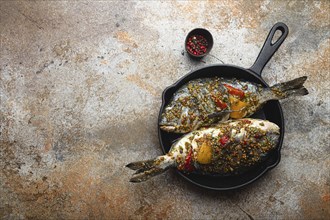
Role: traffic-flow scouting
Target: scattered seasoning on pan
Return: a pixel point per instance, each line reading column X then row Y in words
column 197, row 45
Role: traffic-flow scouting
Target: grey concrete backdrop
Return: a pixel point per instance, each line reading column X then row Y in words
column 80, row 90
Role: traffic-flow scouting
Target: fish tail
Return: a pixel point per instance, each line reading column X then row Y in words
column 148, row 168
column 292, row 84
column 278, row 91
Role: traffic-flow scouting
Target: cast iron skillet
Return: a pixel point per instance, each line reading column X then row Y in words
column 272, row 111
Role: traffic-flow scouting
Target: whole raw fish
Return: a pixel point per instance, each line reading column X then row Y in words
column 205, row 101
column 226, row 148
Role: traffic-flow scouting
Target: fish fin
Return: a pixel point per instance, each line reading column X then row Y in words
column 221, row 115
column 149, row 168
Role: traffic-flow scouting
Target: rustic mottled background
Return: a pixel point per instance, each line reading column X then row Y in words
column 80, row 91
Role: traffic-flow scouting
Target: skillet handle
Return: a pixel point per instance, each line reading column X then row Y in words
column 269, row 48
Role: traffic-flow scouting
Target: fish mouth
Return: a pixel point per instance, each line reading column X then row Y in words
column 168, row 128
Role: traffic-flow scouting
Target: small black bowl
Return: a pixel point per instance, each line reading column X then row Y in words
column 206, row 34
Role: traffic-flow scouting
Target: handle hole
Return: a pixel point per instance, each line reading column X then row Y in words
column 276, row 37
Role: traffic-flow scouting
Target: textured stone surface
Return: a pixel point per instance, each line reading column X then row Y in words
column 80, row 91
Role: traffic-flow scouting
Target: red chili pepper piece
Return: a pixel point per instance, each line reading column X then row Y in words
column 188, row 162
column 246, row 121
column 234, row 91
column 221, row 104
column 224, row 140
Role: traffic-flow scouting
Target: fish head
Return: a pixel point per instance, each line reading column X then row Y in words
column 270, row 129
column 264, row 125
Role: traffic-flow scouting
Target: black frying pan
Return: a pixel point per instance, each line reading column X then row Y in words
column 271, row 111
